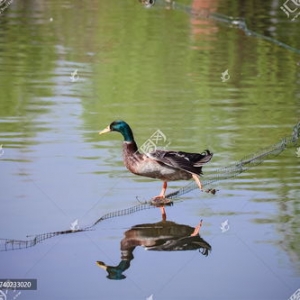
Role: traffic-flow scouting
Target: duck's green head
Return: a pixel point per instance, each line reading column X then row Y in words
column 122, row 127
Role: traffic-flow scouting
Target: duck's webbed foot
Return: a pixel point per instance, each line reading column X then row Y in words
column 161, row 201
column 211, row 191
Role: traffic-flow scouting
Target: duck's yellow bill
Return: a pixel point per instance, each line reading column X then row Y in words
column 107, row 129
column 101, row 265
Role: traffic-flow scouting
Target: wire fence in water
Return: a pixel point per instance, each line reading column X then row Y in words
column 244, row 164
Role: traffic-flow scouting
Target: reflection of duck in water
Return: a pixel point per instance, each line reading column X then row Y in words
column 161, row 236
column 159, row 164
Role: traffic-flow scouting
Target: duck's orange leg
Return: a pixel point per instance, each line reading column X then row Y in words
column 196, row 178
column 161, row 199
column 163, row 191
column 197, row 229
column 163, row 213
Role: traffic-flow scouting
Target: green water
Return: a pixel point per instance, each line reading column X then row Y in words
column 69, row 68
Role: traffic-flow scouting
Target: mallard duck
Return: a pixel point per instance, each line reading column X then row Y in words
column 159, row 164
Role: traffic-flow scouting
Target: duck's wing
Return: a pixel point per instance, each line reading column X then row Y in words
column 190, row 162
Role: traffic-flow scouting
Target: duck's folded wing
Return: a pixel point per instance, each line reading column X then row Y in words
column 190, row 162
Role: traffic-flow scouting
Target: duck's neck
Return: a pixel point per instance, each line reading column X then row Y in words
column 129, row 145
column 129, row 148
column 127, row 134
column 130, row 155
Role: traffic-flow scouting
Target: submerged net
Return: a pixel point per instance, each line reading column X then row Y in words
column 9, row 244
column 218, row 175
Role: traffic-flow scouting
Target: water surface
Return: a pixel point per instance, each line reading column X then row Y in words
column 70, row 68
